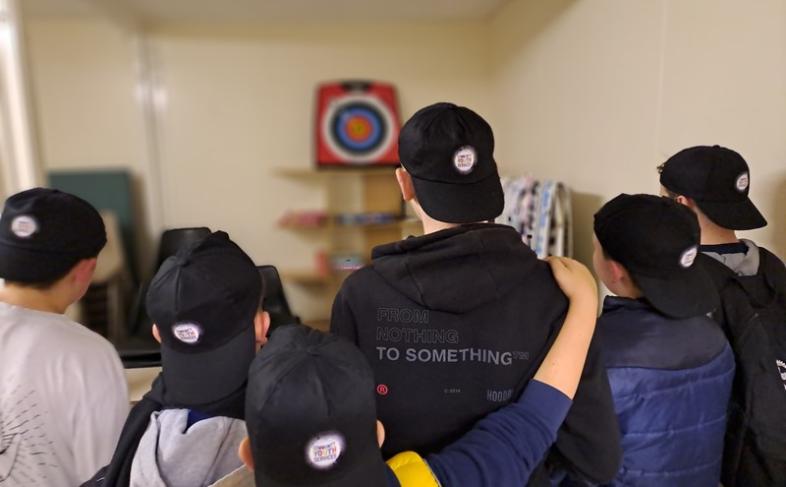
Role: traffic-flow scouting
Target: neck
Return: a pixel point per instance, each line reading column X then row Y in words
column 631, row 292
column 31, row 298
column 432, row 226
column 624, row 288
column 714, row 235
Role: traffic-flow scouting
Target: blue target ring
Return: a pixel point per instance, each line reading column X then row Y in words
column 373, row 128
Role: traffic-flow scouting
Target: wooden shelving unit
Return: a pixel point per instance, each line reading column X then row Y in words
column 332, row 226
column 348, row 191
column 306, row 277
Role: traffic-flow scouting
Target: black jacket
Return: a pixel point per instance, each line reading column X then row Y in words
column 454, row 325
column 753, row 316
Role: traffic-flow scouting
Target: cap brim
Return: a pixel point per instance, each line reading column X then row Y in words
column 202, row 378
column 370, row 471
column 737, row 215
column 691, row 293
column 27, row 266
column 461, row 203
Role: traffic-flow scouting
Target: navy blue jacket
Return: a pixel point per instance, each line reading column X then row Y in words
column 671, row 381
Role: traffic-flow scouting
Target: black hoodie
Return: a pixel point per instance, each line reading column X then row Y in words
column 455, row 324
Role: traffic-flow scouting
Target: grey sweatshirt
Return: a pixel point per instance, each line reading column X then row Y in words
column 171, row 456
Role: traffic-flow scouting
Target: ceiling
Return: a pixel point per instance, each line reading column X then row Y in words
column 162, row 11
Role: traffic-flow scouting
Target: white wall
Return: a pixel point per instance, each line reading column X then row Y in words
column 595, row 92
column 240, row 105
column 237, row 105
column 86, row 95
column 598, row 93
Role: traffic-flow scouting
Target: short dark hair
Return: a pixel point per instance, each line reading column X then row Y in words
column 49, row 283
column 632, row 277
column 669, row 193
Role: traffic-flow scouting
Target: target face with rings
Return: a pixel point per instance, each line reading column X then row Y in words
column 357, row 125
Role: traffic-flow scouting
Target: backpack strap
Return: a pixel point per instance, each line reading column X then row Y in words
column 774, row 271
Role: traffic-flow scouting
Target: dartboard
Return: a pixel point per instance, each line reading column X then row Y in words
column 357, row 128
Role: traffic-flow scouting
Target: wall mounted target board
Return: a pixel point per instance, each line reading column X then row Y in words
column 357, row 124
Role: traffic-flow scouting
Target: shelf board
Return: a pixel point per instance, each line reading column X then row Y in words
column 306, row 277
column 400, row 223
column 386, row 171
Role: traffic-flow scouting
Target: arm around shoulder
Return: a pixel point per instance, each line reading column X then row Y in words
column 504, row 448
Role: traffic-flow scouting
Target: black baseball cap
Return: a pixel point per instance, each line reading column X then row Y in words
column 449, row 152
column 204, row 300
column 718, row 179
column 45, row 232
column 657, row 241
column 311, row 413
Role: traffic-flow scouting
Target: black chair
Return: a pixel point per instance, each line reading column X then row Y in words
column 275, row 301
column 173, row 240
column 140, row 359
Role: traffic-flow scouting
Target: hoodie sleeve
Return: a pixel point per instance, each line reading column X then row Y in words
column 342, row 320
column 588, row 444
column 506, row 446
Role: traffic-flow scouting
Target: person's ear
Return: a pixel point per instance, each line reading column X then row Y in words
column 82, row 273
column 244, row 452
column 405, row 184
column 156, row 333
column 618, row 273
column 380, row 433
column 684, row 200
column 261, row 326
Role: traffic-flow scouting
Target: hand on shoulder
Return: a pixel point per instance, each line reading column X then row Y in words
column 575, row 280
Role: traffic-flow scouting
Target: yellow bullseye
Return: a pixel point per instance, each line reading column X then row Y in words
column 358, row 128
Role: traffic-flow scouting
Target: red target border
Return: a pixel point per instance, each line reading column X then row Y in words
column 331, row 98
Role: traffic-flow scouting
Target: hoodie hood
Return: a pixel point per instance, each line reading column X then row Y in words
column 171, row 456
column 742, row 263
column 458, row 269
column 242, row 477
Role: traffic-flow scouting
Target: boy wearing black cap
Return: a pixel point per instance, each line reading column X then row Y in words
column 669, row 364
column 714, row 182
column 54, row 373
column 205, row 302
column 311, row 412
column 455, row 323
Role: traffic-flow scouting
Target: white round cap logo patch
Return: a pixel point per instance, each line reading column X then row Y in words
column 324, row 450
column 743, row 180
column 465, row 159
column 24, row 226
column 188, row 333
column 689, row 257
